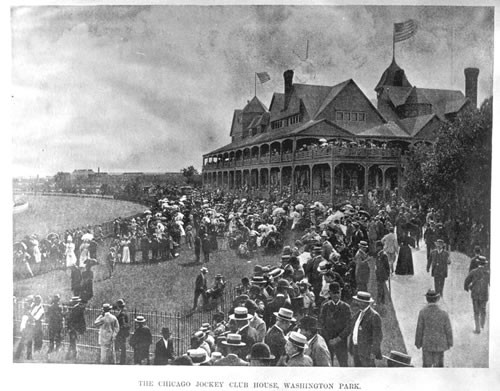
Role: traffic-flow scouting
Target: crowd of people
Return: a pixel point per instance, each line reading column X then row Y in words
column 311, row 308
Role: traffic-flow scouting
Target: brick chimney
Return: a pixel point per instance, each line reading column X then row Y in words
column 471, row 75
column 288, row 76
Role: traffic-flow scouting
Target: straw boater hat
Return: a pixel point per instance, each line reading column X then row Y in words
column 399, row 359
column 140, row 319
column 297, row 339
column 363, row 243
column 240, row 313
column 285, row 314
column 440, row 241
column 233, row 340
column 276, row 273
column 363, row 297
column 198, row 356
column 75, row 299
column 204, row 270
column 260, row 351
column 258, row 280
column 324, row 267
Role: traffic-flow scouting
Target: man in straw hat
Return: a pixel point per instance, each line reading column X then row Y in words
column 275, row 337
column 141, row 340
column 398, row 359
column 239, row 323
column 232, row 345
column 366, row 332
column 294, row 356
column 108, row 330
column 260, row 355
column 199, row 357
column 434, row 334
column 317, row 348
column 335, row 321
column 438, row 265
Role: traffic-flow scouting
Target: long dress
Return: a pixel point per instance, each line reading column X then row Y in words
column 405, row 260
column 70, row 254
column 36, row 251
column 84, row 253
column 125, row 251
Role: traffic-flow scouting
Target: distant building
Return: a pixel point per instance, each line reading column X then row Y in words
column 329, row 142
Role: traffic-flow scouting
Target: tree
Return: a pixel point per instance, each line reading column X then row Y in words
column 191, row 174
column 454, row 174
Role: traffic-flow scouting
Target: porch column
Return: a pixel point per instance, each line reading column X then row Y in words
column 332, row 183
column 292, row 182
column 367, row 169
column 310, row 181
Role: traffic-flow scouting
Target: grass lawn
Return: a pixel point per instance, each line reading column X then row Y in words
column 169, row 286
column 57, row 213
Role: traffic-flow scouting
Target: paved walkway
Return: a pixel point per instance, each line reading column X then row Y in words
column 470, row 350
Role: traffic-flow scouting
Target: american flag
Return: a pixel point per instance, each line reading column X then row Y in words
column 263, row 77
column 405, row 30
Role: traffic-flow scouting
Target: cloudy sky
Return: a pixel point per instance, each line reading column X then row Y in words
column 152, row 88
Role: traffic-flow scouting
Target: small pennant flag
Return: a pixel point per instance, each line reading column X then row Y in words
column 263, row 77
column 405, row 30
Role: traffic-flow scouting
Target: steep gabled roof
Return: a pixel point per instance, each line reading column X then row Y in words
column 255, row 106
column 334, row 91
column 397, row 95
column 263, row 120
column 390, row 129
column 236, row 126
column 312, row 96
column 440, row 98
column 416, row 96
column 414, row 125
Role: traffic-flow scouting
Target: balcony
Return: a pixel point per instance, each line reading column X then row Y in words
column 318, row 153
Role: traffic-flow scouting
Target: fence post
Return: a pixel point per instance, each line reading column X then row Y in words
column 178, row 321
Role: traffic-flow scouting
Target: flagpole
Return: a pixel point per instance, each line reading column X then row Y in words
column 393, row 41
column 255, row 77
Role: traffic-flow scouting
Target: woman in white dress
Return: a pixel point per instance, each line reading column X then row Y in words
column 84, row 252
column 70, row 252
column 36, row 249
column 125, row 250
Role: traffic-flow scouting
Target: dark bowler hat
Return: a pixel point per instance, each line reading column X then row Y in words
column 165, row 331
column 284, row 284
column 398, row 359
column 260, row 351
column 334, row 287
column 432, row 294
column 297, row 303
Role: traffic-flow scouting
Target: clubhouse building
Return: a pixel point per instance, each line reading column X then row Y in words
column 330, row 142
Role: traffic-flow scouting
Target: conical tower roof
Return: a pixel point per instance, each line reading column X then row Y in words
column 393, row 76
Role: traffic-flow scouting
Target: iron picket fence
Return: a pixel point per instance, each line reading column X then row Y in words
column 181, row 325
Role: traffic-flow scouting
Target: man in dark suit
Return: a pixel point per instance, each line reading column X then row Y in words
column 335, row 321
column 366, row 332
column 275, row 337
column 478, row 282
column 164, row 349
column 382, row 271
column 438, row 265
column 200, row 287
column 124, row 332
column 239, row 323
column 434, row 334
